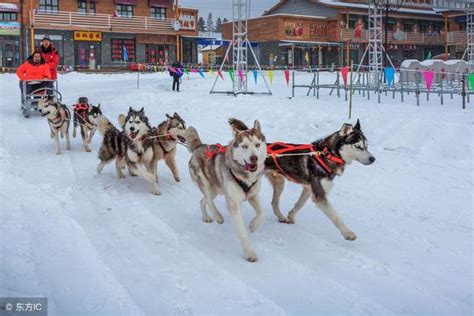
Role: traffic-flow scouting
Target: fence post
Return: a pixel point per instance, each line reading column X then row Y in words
column 417, row 92
column 317, row 78
column 441, row 94
column 463, row 93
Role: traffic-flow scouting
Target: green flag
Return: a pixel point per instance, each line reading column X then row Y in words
column 429, row 55
column 186, row 71
column 231, row 74
column 470, row 78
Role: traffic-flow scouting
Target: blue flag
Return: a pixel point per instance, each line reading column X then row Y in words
column 201, row 73
column 255, row 75
column 124, row 53
column 389, row 75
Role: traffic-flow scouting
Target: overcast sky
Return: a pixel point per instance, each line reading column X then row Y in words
column 223, row 8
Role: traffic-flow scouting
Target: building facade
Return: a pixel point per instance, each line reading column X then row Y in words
column 321, row 32
column 101, row 33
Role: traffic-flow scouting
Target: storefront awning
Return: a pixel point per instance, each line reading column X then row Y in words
column 207, row 42
column 307, row 43
column 8, row 7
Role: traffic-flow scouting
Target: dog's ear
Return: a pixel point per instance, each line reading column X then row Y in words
column 130, row 109
column 98, row 106
column 256, row 126
column 168, row 116
column 235, row 131
column 357, row 126
column 346, row 129
column 121, row 120
column 142, row 110
column 175, row 115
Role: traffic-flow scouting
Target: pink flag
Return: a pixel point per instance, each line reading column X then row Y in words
column 287, row 76
column 429, row 76
column 194, row 70
column 241, row 75
column 219, row 72
column 344, row 72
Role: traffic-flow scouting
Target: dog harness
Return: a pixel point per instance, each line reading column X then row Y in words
column 289, row 148
column 81, row 109
column 244, row 186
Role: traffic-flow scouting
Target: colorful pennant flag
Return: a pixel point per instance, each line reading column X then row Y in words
column 287, row 77
column 231, row 74
column 255, row 75
column 470, row 78
column 270, row 76
column 219, row 72
column 344, row 72
column 201, row 73
column 241, row 75
column 429, row 76
column 389, row 75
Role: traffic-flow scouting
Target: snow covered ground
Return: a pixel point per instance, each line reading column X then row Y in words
column 97, row 245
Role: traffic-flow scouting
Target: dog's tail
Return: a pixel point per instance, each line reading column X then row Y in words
column 238, row 124
column 192, row 138
column 104, row 125
column 121, row 120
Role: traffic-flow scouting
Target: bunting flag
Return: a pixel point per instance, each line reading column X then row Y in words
column 306, row 58
column 194, row 70
column 241, row 75
column 470, row 78
column 255, row 75
column 429, row 76
column 186, row 71
column 219, row 72
column 270, row 76
column 154, row 68
column 429, row 55
column 344, row 72
column 201, row 73
column 389, row 75
column 231, row 74
column 287, row 77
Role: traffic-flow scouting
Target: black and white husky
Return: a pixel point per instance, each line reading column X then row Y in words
column 131, row 147
column 315, row 166
column 58, row 116
column 86, row 115
column 234, row 171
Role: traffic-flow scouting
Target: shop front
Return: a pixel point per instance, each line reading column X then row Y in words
column 9, row 36
column 159, row 49
column 87, row 47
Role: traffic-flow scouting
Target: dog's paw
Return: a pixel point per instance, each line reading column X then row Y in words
column 206, row 219
column 219, row 219
column 349, row 235
column 121, row 176
column 251, row 256
column 177, row 179
column 68, row 148
column 156, row 192
column 255, row 223
column 87, row 149
column 58, row 153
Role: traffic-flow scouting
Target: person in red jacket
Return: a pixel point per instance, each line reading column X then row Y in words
column 34, row 68
column 50, row 56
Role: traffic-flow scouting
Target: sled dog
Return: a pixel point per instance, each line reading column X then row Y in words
column 234, row 171
column 86, row 115
column 58, row 116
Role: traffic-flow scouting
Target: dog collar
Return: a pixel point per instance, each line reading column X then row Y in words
column 57, row 119
column 244, row 186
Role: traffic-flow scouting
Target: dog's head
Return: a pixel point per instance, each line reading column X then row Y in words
column 248, row 146
column 352, row 145
column 135, row 124
column 48, row 106
column 176, row 127
column 94, row 113
column 83, row 100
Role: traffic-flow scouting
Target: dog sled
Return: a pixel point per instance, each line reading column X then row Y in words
column 33, row 90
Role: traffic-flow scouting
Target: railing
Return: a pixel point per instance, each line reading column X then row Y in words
column 455, row 37
column 102, row 22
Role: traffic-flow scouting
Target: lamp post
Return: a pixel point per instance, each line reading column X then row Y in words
column 387, row 6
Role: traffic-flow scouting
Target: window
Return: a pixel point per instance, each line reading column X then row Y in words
column 407, row 27
column 82, row 6
column 158, row 13
column 123, row 48
column 156, row 53
column 8, row 16
column 124, row 10
column 92, row 8
column 49, row 5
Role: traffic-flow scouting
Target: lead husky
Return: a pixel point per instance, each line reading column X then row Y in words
column 316, row 172
column 234, row 171
column 132, row 147
column 58, row 116
column 86, row 115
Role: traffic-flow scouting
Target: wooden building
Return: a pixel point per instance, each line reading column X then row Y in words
column 103, row 32
column 320, row 32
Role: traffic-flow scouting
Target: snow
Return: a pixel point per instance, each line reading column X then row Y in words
column 98, row 245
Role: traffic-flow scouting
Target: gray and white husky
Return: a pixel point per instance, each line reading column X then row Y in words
column 234, row 171
column 131, row 147
column 316, row 172
column 58, row 116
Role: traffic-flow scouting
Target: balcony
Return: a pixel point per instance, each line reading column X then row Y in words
column 454, row 38
column 101, row 22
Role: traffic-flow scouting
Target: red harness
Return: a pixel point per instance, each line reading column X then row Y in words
column 289, row 148
column 79, row 107
column 210, row 153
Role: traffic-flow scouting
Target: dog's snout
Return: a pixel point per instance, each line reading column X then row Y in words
column 132, row 128
column 253, row 159
column 372, row 159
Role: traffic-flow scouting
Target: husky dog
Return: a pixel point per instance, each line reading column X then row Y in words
column 166, row 136
column 132, row 147
column 234, row 171
column 58, row 116
column 86, row 116
column 316, row 172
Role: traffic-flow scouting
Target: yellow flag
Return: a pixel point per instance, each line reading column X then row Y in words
column 306, row 57
column 270, row 76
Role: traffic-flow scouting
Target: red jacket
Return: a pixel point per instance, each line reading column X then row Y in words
column 29, row 71
column 51, row 57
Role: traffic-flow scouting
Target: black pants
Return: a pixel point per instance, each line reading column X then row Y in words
column 175, row 83
column 32, row 87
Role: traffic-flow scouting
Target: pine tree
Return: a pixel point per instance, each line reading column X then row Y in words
column 210, row 23
column 201, row 25
column 218, row 25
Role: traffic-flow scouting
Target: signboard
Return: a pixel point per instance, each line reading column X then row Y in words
column 87, row 36
column 9, row 28
column 293, row 29
column 188, row 22
column 317, row 30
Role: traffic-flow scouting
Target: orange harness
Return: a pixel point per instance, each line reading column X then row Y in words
column 288, row 149
column 210, row 153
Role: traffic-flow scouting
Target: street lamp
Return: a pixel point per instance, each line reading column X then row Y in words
column 387, row 6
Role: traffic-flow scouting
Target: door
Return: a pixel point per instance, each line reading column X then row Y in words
column 7, row 54
column 87, row 54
